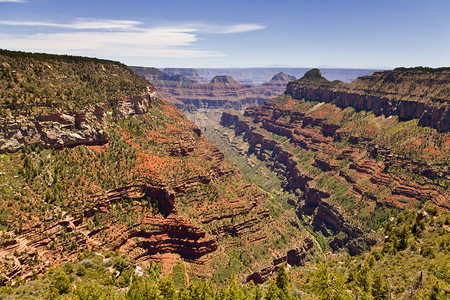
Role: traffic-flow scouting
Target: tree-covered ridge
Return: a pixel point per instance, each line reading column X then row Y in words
column 111, row 276
column 38, row 83
column 411, row 263
column 418, row 84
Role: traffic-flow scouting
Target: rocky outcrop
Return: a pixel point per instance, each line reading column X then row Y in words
column 157, row 235
column 163, row 196
column 68, row 129
column 329, row 221
column 151, row 74
column 190, row 73
column 276, row 86
column 282, row 77
column 374, row 95
column 170, row 235
column 222, row 79
column 294, row 257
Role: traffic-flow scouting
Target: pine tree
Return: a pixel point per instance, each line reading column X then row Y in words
column 380, row 288
column 233, row 291
column 325, row 284
column 282, row 279
column 167, row 287
column 143, row 290
column 273, row 292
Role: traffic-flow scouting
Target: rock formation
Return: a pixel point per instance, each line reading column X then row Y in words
column 258, row 76
column 190, row 73
column 69, row 129
column 348, row 167
column 409, row 94
column 221, row 92
column 276, row 86
column 294, row 257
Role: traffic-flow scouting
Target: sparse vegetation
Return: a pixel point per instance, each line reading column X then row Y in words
column 38, row 83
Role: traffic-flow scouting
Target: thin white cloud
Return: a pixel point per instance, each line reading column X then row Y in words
column 116, row 38
column 227, row 29
column 15, row 1
column 154, row 42
column 80, row 24
column 133, row 25
column 238, row 28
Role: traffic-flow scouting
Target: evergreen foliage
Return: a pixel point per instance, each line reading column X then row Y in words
column 38, row 83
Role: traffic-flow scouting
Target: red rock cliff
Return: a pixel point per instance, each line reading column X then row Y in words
column 385, row 93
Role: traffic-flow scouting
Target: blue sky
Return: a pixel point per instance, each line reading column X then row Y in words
column 245, row 33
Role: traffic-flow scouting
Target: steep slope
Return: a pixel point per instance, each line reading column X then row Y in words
column 128, row 173
column 411, row 263
column 416, row 93
column 350, row 167
column 38, row 83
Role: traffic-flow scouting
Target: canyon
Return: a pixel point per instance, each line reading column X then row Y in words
column 127, row 174
column 258, row 76
column 203, row 94
column 338, row 153
column 222, row 91
column 349, row 177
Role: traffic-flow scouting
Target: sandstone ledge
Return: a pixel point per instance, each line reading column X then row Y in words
column 69, row 129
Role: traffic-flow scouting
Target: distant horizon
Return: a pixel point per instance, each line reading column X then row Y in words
column 329, row 68
column 224, row 67
column 259, row 75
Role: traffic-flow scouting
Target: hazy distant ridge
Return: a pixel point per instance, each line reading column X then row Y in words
column 261, row 75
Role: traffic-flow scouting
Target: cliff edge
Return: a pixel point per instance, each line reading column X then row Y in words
column 410, row 93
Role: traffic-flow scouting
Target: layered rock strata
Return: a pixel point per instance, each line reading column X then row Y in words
column 181, row 88
column 69, row 129
column 174, row 196
column 423, row 94
column 339, row 175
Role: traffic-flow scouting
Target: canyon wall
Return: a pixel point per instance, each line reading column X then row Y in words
column 69, row 129
column 183, row 88
column 429, row 115
column 407, row 93
column 350, row 159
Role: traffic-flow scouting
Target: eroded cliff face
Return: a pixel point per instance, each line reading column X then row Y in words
column 294, row 257
column 188, row 95
column 162, row 194
column 407, row 93
column 69, row 129
column 349, row 168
